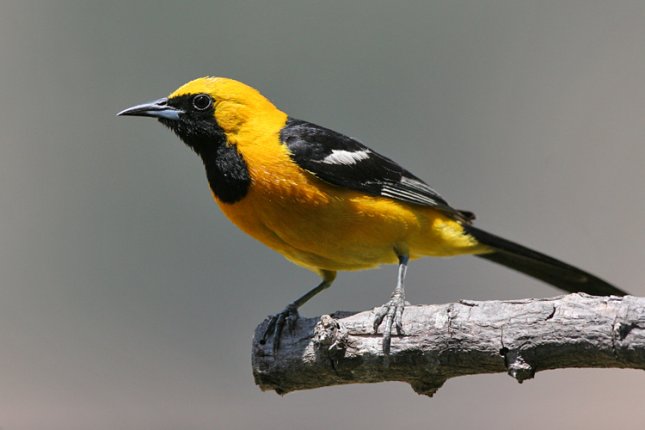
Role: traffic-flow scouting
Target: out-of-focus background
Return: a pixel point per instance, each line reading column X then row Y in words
column 128, row 301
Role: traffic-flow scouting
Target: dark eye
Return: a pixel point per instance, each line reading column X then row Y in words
column 202, row 102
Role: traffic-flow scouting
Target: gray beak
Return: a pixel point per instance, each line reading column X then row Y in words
column 156, row 109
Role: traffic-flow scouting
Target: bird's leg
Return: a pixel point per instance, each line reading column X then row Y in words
column 392, row 311
column 290, row 314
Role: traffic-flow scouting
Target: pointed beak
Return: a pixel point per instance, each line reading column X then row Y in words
column 156, row 109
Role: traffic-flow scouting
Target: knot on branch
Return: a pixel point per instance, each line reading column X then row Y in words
column 518, row 368
column 330, row 335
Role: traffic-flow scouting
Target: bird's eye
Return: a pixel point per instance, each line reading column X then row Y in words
column 202, row 102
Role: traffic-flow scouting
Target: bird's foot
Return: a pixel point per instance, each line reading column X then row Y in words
column 288, row 316
column 391, row 312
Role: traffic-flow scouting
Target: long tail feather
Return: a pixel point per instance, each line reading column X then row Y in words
column 541, row 266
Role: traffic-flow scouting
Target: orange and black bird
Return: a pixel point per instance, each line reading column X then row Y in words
column 326, row 201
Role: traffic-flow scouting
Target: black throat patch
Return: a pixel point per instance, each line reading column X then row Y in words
column 227, row 173
column 226, row 170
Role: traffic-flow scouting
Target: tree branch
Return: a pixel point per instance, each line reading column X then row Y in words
column 440, row 342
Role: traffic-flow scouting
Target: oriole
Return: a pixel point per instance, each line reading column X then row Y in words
column 326, row 201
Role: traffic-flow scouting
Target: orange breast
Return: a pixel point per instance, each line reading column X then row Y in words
column 322, row 226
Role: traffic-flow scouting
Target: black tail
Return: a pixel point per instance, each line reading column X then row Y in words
column 540, row 266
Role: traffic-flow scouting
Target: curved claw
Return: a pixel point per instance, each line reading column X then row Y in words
column 276, row 323
column 378, row 318
column 392, row 313
column 290, row 314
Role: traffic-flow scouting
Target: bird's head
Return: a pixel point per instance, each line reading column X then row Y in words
column 207, row 110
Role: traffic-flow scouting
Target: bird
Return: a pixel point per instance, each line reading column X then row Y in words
column 327, row 202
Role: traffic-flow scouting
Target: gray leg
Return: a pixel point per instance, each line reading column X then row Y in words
column 392, row 311
column 290, row 314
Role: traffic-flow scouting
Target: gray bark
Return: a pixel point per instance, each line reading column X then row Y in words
column 439, row 342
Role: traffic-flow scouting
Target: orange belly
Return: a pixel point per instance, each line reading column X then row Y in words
column 321, row 226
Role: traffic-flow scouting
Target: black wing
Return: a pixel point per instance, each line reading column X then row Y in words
column 343, row 161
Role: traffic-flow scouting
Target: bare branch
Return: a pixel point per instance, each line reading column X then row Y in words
column 440, row 342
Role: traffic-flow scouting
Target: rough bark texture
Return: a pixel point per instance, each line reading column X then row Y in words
column 440, row 342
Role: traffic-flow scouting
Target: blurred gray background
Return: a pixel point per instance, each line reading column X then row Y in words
column 128, row 301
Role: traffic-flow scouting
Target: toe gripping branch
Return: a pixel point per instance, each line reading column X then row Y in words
column 290, row 315
column 392, row 311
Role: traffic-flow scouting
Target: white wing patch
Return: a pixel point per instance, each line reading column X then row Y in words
column 340, row 156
